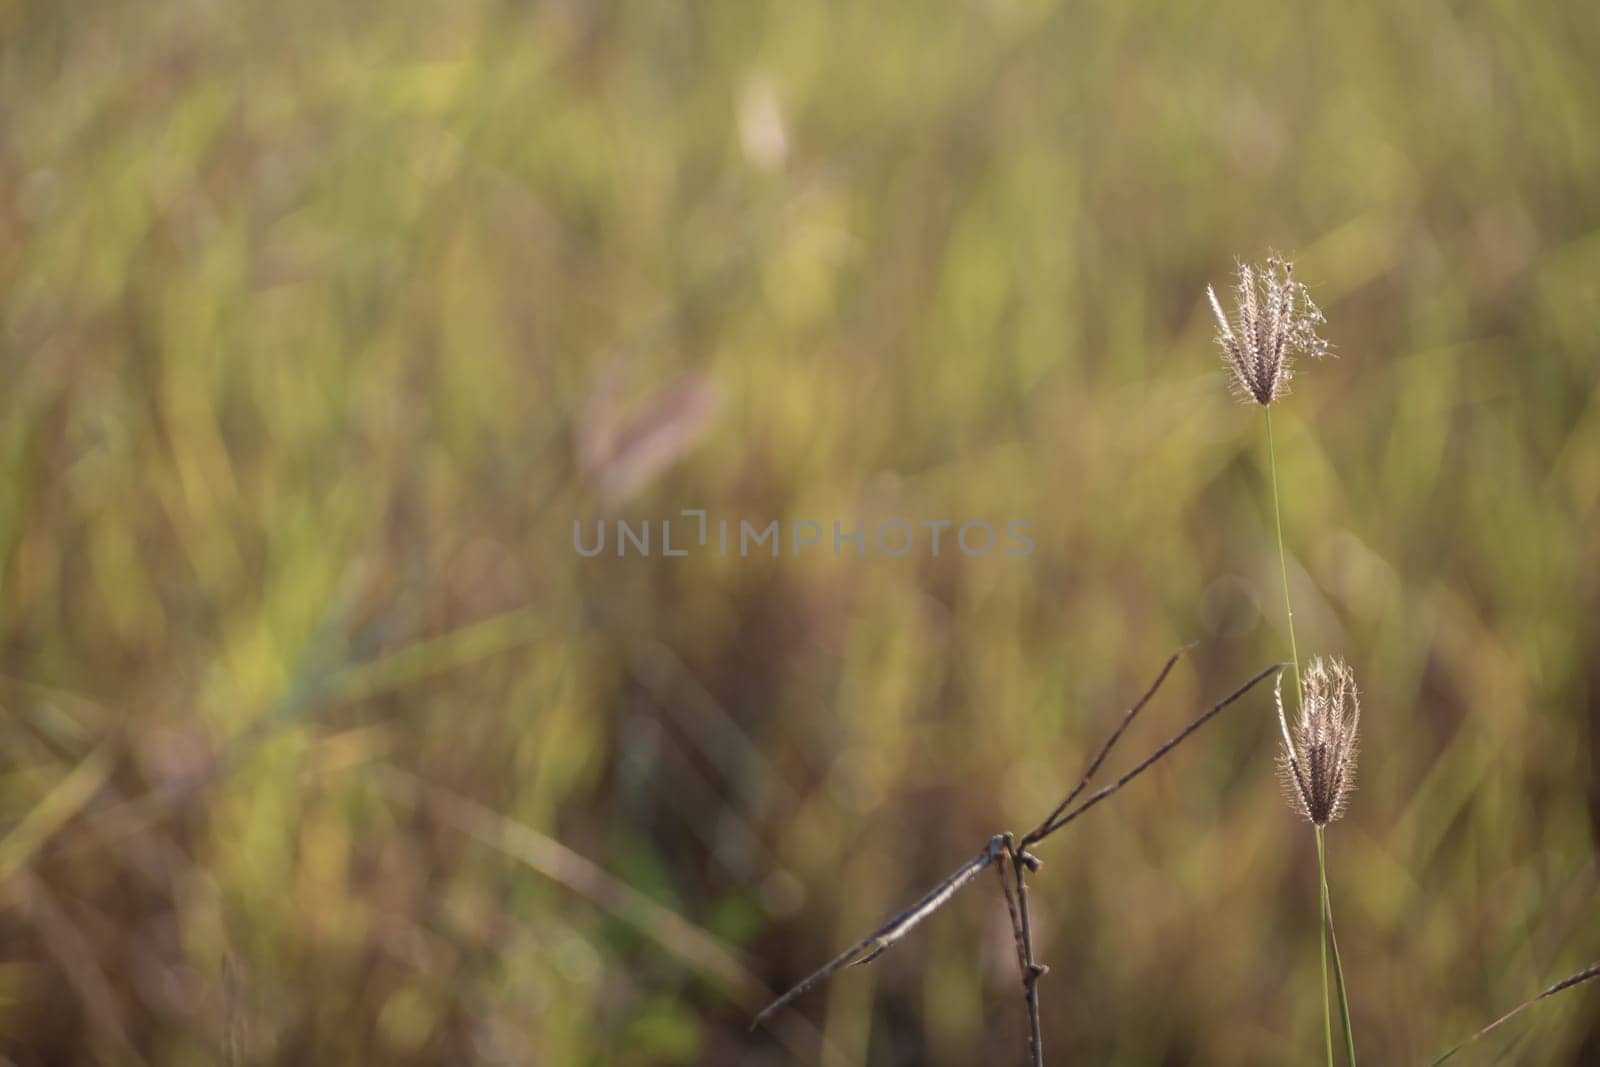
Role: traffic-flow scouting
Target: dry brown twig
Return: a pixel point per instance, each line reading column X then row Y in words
column 1003, row 851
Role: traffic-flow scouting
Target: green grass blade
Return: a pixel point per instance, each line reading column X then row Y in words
column 1322, row 944
column 1338, row 977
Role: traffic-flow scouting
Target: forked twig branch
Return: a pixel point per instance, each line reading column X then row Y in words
column 1045, row 827
column 1045, row 830
column 1022, row 929
column 1002, row 850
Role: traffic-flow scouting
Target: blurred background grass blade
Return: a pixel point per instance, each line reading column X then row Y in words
column 320, row 326
column 52, row 812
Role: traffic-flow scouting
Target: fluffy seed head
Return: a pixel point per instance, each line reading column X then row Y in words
column 1319, row 753
column 1276, row 320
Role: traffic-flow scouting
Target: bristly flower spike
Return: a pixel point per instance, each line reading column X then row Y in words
column 1319, row 754
column 1276, row 321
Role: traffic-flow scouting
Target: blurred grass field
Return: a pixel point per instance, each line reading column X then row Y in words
column 307, row 312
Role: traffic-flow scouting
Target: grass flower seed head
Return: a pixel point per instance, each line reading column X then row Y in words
column 1319, row 754
column 1276, row 320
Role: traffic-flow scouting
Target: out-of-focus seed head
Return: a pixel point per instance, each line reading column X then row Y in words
column 1276, row 320
column 1319, row 753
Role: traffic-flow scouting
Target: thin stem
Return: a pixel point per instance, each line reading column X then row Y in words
column 1022, row 932
column 1332, row 939
column 1324, row 910
column 1322, row 915
column 1592, row 971
column 1032, row 969
column 1338, row 980
column 1283, row 565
